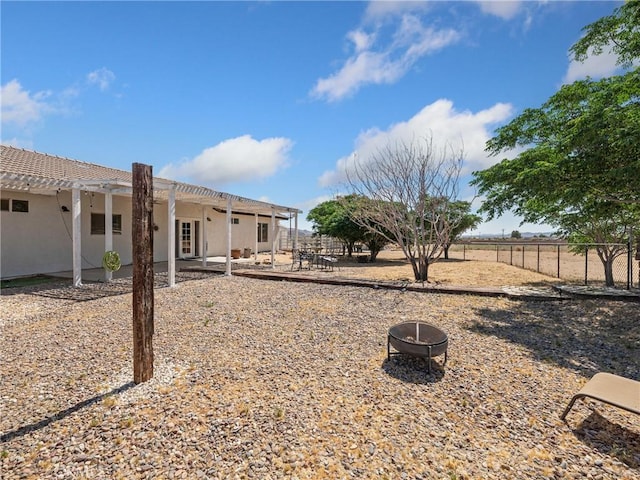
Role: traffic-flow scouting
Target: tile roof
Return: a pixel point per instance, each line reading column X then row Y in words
column 22, row 169
column 25, row 162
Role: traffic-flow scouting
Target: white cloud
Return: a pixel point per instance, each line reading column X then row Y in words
column 103, row 77
column 393, row 37
column 361, row 39
column 20, row 107
column 595, row 66
column 384, row 10
column 440, row 120
column 500, row 8
column 385, row 63
column 234, row 160
column 18, row 143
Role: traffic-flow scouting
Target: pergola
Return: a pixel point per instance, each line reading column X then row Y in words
column 163, row 191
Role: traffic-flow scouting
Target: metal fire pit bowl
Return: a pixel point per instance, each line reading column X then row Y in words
column 419, row 340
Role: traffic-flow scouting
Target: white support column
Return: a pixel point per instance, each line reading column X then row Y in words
column 228, row 266
column 171, row 242
column 76, row 227
column 273, row 238
column 108, row 230
column 203, row 233
column 255, row 248
column 295, row 236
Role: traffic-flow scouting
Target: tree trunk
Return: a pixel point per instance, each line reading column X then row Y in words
column 446, row 252
column 424, row 271
column 420, row 269
column 608, row 272
column 142, row 237
column 607, row 257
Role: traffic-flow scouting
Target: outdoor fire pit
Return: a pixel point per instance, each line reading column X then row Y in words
column 419, row 340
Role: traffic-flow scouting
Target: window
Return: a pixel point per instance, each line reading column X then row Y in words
column 20, row 206
column 97, row 224
column 4, row 204
column 263, row 232
column 235, row 221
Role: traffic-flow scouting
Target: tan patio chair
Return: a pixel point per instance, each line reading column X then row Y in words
column 608, row 388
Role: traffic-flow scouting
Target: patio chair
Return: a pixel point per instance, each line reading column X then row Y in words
column 301, row 260
column 327, row 262
column 608, row 388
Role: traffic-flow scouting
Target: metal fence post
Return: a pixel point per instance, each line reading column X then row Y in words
column 511, row 255
column 629, row 263
column 558, row 260
column 538, row 265
column 586, row 264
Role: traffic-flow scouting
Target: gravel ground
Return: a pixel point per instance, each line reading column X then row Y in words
column 265, row 380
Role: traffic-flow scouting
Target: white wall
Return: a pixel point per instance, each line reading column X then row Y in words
column 36, row 241
column 40, row 241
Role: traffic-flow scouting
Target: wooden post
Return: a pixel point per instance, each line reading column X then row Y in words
column 142, row 241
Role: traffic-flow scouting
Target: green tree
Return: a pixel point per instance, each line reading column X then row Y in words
column 337, row 218
column 582, row 141
column 516, row 234
column 578, row 169
column 331, row 218
column 462, row 220
column 619, row 31
column 604, row 227
column 373, row 235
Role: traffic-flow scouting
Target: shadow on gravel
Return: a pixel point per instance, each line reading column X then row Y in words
column 64, row 290
column 584, row 336
column 32, row 427
column 85, row 293
column 610, row 439
column 413, row 370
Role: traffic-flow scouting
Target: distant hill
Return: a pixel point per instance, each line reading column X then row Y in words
column 483, row 236
column 499, row 236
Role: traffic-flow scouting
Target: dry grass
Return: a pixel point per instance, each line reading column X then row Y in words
column 392, row 266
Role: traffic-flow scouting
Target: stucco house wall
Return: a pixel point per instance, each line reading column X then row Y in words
column 35, row 241
column 40, row 240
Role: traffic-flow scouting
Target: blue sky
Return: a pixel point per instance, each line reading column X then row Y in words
column 269, row 99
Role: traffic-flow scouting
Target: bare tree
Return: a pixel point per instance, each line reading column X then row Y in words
column 410, row 188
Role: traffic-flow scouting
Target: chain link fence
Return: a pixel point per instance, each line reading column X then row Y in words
column 573, row 263
column 309, row 242
column 559, row 260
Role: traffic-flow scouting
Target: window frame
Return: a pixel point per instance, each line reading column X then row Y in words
column 116, row 223
column 24, row 208
column 263, row 232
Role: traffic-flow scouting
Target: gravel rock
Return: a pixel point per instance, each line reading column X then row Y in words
column 263, row 379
